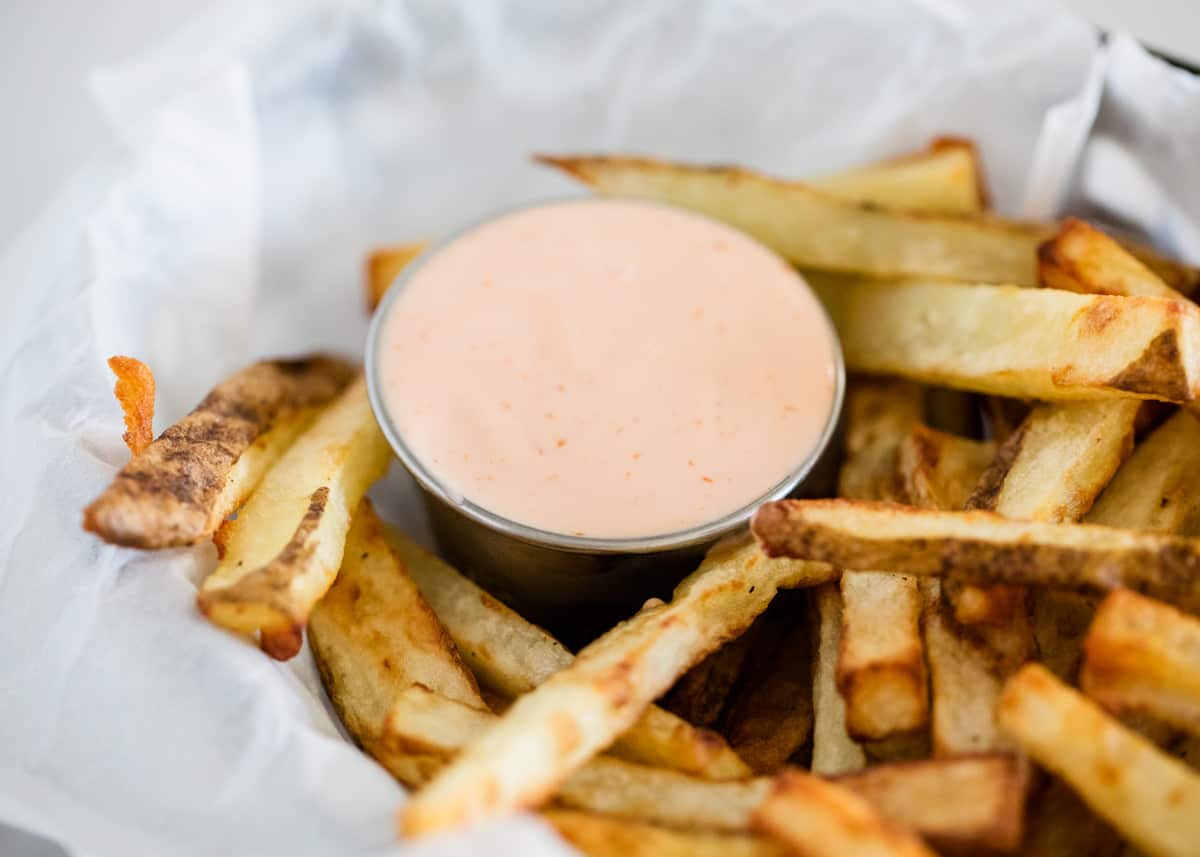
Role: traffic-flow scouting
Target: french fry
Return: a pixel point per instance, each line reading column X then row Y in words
column 1062, row 825
column 513, row 656
column 1081, row 258
column 134, row 391
column 1143, row 656
column 981, row 546
column 701, row 693
column 603, row 836
column 772, row 715
column 819, row 818
column 937, row 470
column 553, row 730
column 1152, row 798
column 815, row 228
column 1031, row 343
column 834, row 751
column 373, row 636
column 283, row 551
column 181, row 487
column 384, row 265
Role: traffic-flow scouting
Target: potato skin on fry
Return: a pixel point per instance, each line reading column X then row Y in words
column 176, row 492
column 135, row 391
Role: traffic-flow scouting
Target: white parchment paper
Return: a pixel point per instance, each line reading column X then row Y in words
column 265, row 150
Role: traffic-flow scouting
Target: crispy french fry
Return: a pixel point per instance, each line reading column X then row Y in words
column 1144, row 656
column 513, row 656
column 384, row 265
column 818, row 818
column 945, row 178
column 603, row 836
column 180, row 488
column 816, row 228
column 834, row 751
column 938, row 470
column 283, row 551
column 1152, row 798
column 772, row 715
column 553, row 730
column 1081, row 258
column 982, row 546
column 135, row 393
column 1033, row 343
column 702, row 692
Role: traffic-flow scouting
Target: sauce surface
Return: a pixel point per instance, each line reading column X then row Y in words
column 607, row 368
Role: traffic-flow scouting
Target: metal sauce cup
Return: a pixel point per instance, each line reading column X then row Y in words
column 579, row 586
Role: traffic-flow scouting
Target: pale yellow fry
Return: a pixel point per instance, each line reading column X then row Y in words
column 283, row 551
column 1152, row 798
column 603, row 836
column 553, row 730
column 834, row 751
column 513, row 656
column 1029, row 343
column 819, row 818
column 1081, row 258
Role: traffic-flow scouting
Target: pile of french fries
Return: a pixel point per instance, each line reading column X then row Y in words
column 987, row 643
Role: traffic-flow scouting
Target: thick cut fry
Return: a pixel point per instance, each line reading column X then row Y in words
column 819, row 818
column 939, row 470
column 134, row 391
column 1033, row 343
column 816, row 228
column 180, row 488
column 513, row 656
column 384, row 265
column 1144, row 656
column 981, row 546
column 834, row 751
column 945, row 178
column 1081, row 258
column 1152, row 798
column 553, row 730
column 602, row 836
column 701, row 693
column 772, row 715
column 962, row 805
column 283, row 551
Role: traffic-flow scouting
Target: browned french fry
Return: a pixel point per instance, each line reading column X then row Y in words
column 180, row 488
column 551, row 731
column 702, row 692
column 938, row 470
column 1081, row 258
column 135, row 393
column 1144, row 656
column 603, row 836
column 384, row 265
column 1152, row 798
column 982, row 546
column 1062, row 825
column 514, row 656
column 818, row 818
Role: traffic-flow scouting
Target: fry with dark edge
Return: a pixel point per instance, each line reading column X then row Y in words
column 283, row 551
column 513, row 656
column 553, row 730
column 181, row 487
column 982, row 547
column 700, row 695
column 134, row 391
column 1151, row 797
column 1081, row 258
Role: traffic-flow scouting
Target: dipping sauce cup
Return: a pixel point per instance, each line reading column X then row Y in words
column 591, row 392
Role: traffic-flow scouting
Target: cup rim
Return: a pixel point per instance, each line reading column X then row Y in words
column 706, row 532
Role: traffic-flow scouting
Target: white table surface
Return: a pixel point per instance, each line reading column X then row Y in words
column 51, row 126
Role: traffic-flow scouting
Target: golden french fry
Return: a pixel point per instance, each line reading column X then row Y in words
column 180, row 488
column 513, row 656
column 1081, row 258
column 1033, row 343
column 819, row 818
column 283, row 551
column 938, row 470
column 1152, row 798
column 603, row 836
column 1144, row 656
column 982, row 547
column 134, row 391
column 551, row 731
column 384, row 265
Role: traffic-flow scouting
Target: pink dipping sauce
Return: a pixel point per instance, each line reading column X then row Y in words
column 607, row 368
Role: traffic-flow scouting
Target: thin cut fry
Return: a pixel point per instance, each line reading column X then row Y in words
column 819, row 818
column 1081, row 258
column 834, row 751
column 1149, row 796
column 513, row 656
column 553, row 730
column 283, row 551
column 135, row 393
column 180, row 488
column 1144, row 656
column 602, row 836
column 384, row 265
column 1028, row 343
column 981, row 546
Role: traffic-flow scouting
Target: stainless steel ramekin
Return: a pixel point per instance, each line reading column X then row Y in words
column 578, row 586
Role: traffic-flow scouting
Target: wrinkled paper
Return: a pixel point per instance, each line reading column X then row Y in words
column 263, row 150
